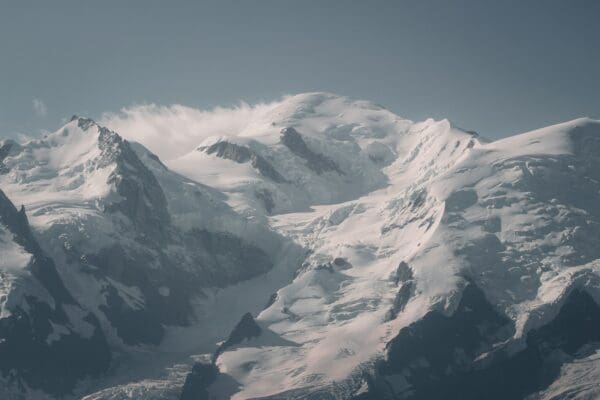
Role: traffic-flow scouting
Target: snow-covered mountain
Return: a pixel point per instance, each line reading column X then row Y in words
column 321, row 248
column 47, row 339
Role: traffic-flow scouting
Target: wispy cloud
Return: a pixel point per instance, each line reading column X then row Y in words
column 171, row 131
column 39, row 108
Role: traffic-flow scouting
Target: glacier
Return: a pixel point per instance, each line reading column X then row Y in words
column 316, row 247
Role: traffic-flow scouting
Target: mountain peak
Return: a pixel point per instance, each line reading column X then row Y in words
column 364, row 226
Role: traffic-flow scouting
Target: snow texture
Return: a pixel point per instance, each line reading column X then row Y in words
column 370, row 221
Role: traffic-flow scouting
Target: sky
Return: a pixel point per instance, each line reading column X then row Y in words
column 495, row 67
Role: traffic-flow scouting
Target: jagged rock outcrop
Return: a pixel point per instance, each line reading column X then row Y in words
column 243, row 154
column 315, row 161
column 246, row 329
column 462, row 356
column 198, row 380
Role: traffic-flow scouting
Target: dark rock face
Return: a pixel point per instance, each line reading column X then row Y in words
column 341, row 263
column 220, row 259
column 5, row 148
column 228, row 258
column 144, row 202
column 266, row 169
column 406, row 291
column 144, row 324
column 246, row 329
column 56, row 367
column 242, row 154
column 315, row 161
column 442, row 357
column 134, row 326
column 266, row 198
column 230, row 151
column 26, row 352
column 402, row 274
column 197, row 382
column 403, row 278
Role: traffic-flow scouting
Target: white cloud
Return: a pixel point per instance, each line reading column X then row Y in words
column 39, row 107
column 172, row 131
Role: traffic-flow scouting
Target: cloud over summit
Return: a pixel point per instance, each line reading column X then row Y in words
column 171, row 131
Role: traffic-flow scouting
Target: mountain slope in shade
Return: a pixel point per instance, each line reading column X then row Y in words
column 48, row 342
column 136, row 244
column 347, row 253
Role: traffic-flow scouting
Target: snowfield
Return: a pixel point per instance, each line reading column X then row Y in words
column 339, row 226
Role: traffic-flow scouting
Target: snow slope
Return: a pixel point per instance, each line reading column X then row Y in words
column 451, row 209
column 517, row 217
column 48, row 341
column 341, row 227
column 308, row 149
column 135, row 243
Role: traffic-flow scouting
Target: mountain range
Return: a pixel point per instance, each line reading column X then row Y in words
column 324, row 248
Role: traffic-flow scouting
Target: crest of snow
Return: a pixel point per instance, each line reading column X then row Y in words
column 173, row 131
column 357, row 137
column 58, row 174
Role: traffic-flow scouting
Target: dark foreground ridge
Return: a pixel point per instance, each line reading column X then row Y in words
column 445, row 358
column 28, row 352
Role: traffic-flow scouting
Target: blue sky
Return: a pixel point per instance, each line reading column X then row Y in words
column 497, row 67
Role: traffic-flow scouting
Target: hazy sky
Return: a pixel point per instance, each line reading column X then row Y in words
column 497, row 67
